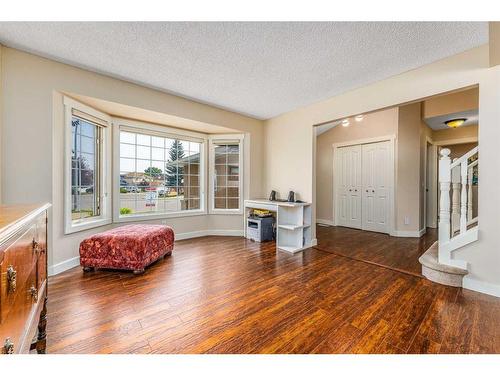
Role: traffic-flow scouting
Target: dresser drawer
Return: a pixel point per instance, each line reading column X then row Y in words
column 20, row 310
column 19, row 259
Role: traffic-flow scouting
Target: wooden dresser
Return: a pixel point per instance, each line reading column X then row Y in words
column 23, row 278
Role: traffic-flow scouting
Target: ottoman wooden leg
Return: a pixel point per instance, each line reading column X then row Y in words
column 88, row 269
column 139, row 271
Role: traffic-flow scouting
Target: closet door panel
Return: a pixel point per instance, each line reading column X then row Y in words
column 342, row 198
column 375, row 190
column 355, row 173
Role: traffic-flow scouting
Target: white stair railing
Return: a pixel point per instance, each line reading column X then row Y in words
column 454, row 233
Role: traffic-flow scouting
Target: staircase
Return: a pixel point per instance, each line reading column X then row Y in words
column 457, row 224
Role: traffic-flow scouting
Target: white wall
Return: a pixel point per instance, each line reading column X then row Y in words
column 289, row 141
column 32, row 143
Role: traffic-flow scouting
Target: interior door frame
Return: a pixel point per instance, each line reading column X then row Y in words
column 391, row 138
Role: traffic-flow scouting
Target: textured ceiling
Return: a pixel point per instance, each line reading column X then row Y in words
column 258, row 69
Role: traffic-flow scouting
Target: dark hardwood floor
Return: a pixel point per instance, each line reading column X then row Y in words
column 396, row 253
column 230, row 295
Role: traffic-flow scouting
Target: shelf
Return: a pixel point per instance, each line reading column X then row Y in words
column 292, row 226
column 293, row 249
column 290, row 249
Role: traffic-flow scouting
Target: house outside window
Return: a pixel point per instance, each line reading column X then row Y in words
column 226, row 171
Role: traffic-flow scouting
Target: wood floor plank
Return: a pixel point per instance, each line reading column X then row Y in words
column 231, row 295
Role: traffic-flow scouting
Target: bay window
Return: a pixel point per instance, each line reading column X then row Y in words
column 161, row 171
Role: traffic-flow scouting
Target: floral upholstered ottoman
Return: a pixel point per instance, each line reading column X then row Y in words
column 129, row 247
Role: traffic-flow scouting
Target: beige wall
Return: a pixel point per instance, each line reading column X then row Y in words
column 290, row 139
column 465, row 100
column 461, row 134
column 1, row 117
column 425, row 137
column 494, row 39
column 32, row 144
column 376, row 124
column 408, row 181
column 460, row 149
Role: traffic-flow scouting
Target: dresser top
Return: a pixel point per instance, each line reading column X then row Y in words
column 14, row 216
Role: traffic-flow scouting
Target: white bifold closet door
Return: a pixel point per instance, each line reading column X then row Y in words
column 362, row 173
column 375, row 191
column 349, row 187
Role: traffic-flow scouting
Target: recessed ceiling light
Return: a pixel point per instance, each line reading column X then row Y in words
column 345, row 123
column 455, row 123
column 359, row 118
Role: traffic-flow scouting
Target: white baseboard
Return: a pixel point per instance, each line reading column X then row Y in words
column 64, row 266
column 314, row 242
column 481, row 286
column 74, row 262
column 325, row 222
column 213, row 232
column 409, row 233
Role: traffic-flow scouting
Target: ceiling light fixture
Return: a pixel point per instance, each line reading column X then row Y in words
column 359, row 118
column 345, row 122
column 455, row 123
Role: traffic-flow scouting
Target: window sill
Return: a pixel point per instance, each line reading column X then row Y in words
column 226, row 212
column 145, row 217
column 86, row 225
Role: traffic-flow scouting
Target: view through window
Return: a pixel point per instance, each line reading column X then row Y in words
column 227, row 176
column 158, row 174
column 84, row 169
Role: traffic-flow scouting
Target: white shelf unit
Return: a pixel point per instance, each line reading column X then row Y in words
column 293, row 228
column 293, row 223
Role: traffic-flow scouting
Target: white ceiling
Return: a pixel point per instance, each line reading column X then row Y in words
column 258, row 69
column 438, row 122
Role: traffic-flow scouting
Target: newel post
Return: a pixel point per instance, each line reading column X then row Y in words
column 444, row 200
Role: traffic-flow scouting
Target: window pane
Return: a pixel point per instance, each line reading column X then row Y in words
column 158, row 142
column 87, row 129
column 85, row 151
column 143, row 152
column 157, row 153
column 127, row 165
column 232, row 204
column 220, row 192
column 127, row 137
column 194, row 148
column 220, row 203
column 226, row 161
column 162, row 181
column 87, row 144
column 127, row 151
column 144, row 140
column 142, row 165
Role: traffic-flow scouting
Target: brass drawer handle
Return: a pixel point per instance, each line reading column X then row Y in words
column 11, row 279
column 37, row 248
column 8, row 346
column 34, row 293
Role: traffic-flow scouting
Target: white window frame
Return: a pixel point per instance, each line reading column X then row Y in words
column 163, row 131
column 227, row 139
column 105, row 217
